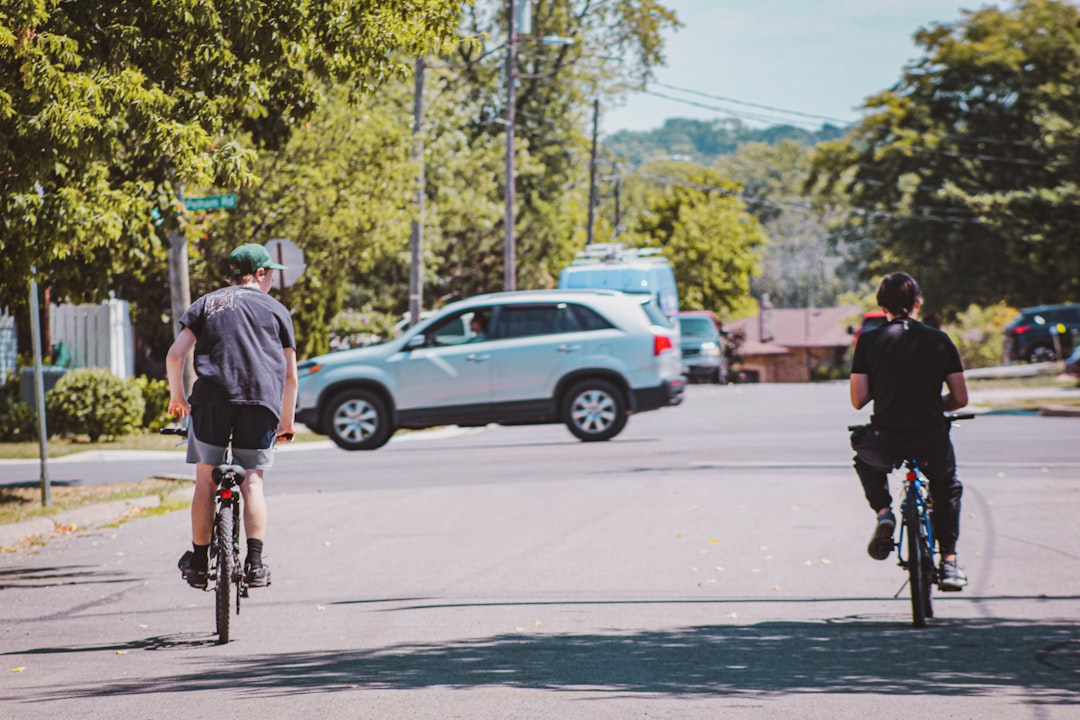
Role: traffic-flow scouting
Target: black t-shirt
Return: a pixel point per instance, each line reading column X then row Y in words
column 240, row 336
column 907, row 363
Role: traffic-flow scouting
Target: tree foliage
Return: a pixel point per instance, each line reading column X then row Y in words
column 965, row 172
column 615, row 45
column 799, row 266
column 107, row 106
column 703, row 229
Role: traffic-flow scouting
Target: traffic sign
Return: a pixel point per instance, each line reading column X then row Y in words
column 211, row 202
column 285, row 252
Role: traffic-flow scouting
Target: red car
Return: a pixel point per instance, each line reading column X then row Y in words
column 870, row 320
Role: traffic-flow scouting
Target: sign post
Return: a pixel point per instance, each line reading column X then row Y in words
column 287, row 253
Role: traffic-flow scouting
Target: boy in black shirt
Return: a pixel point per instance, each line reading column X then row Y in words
column 244, row 395
column 902, row 366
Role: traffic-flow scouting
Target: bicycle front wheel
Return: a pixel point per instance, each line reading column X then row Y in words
column 223, row 531
column 918, row 580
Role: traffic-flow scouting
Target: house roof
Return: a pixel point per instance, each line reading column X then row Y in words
column 789, row 328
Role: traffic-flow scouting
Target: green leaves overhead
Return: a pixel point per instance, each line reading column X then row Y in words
column 106, row 106
column 964, row 173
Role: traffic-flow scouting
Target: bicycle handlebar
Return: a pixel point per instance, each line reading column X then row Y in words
column 183, row 432
column 951, row 417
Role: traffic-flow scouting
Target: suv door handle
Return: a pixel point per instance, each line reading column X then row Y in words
column 477, row 358
column 565, row 348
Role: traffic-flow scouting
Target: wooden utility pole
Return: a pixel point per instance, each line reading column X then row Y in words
column 416, row 240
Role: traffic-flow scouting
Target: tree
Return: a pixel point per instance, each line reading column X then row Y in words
column 553, row 97
column 799, row 267
column 703, row 229
column 964, row 173
column 107, row 107
column 339, row 189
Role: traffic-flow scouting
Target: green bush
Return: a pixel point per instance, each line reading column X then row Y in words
column 18, row 421
column 94, row 402
column 155, row 394
column 979, row 334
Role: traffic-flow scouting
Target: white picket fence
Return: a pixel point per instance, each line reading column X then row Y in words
column 9, row 346
column 96, row 335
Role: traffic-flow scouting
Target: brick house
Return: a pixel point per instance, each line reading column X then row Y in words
column 787, row 344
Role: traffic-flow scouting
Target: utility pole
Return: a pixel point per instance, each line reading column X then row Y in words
column 180, row 284
column 416, row 241
column 618, row 199
column 592, row 170
column 509, row 249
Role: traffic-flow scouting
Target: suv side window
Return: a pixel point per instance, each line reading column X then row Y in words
column 578, row 318
column 526, row 321
column 468, row 326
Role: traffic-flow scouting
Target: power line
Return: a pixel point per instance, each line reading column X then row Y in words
column 727, row 111
column 754, row 105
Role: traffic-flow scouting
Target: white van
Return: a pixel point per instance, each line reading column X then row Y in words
column 612, row 266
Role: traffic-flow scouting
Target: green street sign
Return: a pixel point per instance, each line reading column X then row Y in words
column 211, row 202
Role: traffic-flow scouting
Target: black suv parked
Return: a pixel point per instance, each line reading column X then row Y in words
column 1029, row 336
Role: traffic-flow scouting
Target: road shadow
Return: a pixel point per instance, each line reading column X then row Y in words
column 41, row 578
column 962, row 658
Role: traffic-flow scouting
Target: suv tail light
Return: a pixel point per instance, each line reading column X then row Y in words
column 1021, row 329
column 661, row 343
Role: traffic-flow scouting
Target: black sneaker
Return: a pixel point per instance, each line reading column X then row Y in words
column 952, row 576
column 881, row 544
column 195, row 578
column 257, row 576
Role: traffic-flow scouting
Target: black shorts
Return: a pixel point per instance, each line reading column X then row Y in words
column 250, row 429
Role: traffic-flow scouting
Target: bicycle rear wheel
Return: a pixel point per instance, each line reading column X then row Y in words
column 223, row 531
column 918, row 580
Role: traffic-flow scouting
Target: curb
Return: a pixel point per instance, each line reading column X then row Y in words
column 1059, row 411
column 88, row 517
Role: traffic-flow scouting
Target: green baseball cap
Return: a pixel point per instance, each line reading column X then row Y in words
column 248, row 258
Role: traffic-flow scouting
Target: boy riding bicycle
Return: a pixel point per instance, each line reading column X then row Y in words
column 902, row 366
column 244, row 395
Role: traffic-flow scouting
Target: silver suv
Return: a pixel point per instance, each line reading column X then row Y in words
column 587, row 358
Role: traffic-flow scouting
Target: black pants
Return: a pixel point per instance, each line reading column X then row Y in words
column 880, row 451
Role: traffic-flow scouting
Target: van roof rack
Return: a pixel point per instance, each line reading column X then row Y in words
column 613, row 253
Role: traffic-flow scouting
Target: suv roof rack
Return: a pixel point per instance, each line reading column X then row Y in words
column 615, row 253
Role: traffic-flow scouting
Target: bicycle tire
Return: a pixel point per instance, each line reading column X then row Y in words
column 916, row 562
column 225, row 562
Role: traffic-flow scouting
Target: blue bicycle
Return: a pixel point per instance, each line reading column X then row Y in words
column 916, row 545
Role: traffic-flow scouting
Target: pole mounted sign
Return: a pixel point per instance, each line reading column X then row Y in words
column 288, row 254
column 211, row 202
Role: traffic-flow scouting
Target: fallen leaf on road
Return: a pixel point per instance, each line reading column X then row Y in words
column 18, row 669
column 326, row 543
column 121, row 652
column 319, row 607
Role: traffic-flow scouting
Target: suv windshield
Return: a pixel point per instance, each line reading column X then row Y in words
column 697, row 326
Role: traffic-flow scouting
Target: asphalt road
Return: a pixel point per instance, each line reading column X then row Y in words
column 709, row 562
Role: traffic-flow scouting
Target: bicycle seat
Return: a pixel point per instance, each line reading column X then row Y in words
column 238, row 472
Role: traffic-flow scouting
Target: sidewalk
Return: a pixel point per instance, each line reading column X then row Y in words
column 87, row 517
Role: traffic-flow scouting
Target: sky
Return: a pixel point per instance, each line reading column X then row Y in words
column 816, row 57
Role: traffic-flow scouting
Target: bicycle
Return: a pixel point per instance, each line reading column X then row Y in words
column 225, row 570
column 916, row 508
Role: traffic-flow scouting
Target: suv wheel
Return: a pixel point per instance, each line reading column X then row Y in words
column 357, row 419
column 594, row 410
column 1042, row 353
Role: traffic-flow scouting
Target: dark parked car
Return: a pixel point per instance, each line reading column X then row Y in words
column 1030, row 336
column 702, row 346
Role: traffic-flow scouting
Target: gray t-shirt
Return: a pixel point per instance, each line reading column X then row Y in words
column 240, row 336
